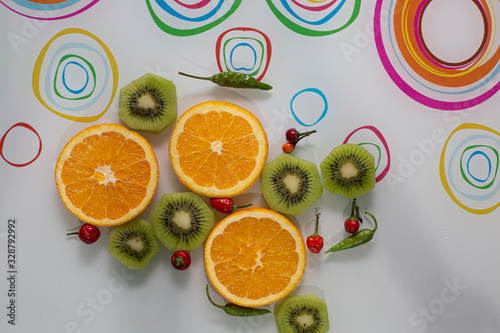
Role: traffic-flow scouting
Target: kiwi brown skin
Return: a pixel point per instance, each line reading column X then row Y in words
column 348, row 170
column 290, row 184
column 302, row 314
column 126, row 240
column 148, row 103
column 187, row 208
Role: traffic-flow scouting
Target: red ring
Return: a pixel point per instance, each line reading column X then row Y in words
column 3, row 140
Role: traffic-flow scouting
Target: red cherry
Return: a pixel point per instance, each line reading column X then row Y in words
column 88, row 233
column 181, row 260
column 288, row 147
column 351, row 225
column 292, row 135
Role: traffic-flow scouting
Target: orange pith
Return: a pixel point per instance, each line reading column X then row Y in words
column 106, row 174
column 254, row 257
column 218, row 149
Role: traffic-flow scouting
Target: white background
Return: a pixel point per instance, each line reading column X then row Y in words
column 431, row 267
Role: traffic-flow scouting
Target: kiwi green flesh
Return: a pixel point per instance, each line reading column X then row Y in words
column 302, row 314
column 182, row 221
column 148, row 104
column 134, row 244
column 348, row 170
column 290, row 184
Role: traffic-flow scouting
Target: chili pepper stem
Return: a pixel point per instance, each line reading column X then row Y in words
column 210, row 78
column 213, row 303
column 374, row 220
column 316, row 228
column 355, row 211
column 245, row 206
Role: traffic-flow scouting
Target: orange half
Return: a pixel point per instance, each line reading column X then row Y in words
column 218, row 149
column 106, row 174
column 254, row 257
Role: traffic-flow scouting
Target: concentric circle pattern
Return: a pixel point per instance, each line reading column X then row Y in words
column 244, row 50
column 469, row 168
column 370, row 138
column 48, row 9
column 315, row 17
column 182, row 18
column 76, row 76
column 422, row 75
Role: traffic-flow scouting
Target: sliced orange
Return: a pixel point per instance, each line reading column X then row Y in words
column 254, row 257
column 218, row 149
column 106, row 174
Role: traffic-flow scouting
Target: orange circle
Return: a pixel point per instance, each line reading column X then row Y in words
column 218, row 149
column 254, row 257
column 106, row 175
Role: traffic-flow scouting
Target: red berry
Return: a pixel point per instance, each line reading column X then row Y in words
column 292, row 135
column 288, row 147
column 88, row 233
column 351, row 225
column 181, row 260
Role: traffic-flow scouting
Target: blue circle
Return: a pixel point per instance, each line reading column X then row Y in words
column 489, row 166
column 78, row 91
column 316, row 91
column 243, row 68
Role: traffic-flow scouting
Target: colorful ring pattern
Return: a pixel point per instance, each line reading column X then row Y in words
column 423, row 76
column 315, row 17
column 244, row 50
column 469, row 167
column 364, row 136
column 76, row 76
column 178, row 18
column 48, row 9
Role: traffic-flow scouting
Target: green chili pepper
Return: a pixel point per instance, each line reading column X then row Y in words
column 361, row 237
column 240, row 311
column 233, row 80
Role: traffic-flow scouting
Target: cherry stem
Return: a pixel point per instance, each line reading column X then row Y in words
column 72, row 233
column 303, row 135
column 316, row 228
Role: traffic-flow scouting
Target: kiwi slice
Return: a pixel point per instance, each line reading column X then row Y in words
column 301, row 314
column 133, row 244
column 348, row 170
column 290, row 184
column 148, row 104
column 182, row 221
